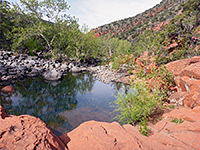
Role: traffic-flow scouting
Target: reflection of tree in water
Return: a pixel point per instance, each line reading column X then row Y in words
column 117, row 86
column 41, row 99
column 5, row 99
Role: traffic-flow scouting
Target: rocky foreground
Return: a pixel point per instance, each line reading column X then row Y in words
column 166, row 135
column 178, row 129
column 27, row 132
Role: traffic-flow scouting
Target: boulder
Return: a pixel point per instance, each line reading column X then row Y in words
column 6, row 78
column 165, row 135
column 181, row 84
column 26, row 132
column 3, row 112
column 52, row 75
column 8, row 89
column 95, row 135
column 192, row 71
column 191, row 99
column 76, row 69
column 176, row 67
column 187, row 78
column 177, row 98
column 64, row 67
column 182, row 135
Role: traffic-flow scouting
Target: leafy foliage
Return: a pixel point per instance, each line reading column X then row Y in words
column 45, row 27
column 138, row 104
column 31, row 26
column 177, row 121
column 143, row 129
column 5, row 23
column 144, row 98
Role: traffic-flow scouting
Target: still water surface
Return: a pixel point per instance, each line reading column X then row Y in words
column 65, row 104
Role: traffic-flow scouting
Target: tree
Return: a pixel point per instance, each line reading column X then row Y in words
column 5, row 23
column 44, row 21
column 192, row 8
column 147, row 42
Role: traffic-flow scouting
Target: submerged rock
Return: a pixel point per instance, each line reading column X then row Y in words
column 8, row 89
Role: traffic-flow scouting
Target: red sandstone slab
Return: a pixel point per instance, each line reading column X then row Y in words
column 176, row 67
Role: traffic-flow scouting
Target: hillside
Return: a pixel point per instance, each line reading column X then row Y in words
column 170, row 30
column 130, row 28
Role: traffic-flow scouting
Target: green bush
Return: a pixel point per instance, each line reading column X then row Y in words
column 117, row 63
column 177, row 121
column 143, row 129
column 138, row 104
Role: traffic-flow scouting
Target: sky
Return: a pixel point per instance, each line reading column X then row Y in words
column 95, row 13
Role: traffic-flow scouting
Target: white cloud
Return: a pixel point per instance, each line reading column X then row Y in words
column 98, row 12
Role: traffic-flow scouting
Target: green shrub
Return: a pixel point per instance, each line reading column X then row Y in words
column 117, row 63
column 171, row 106
column 177, row 121
column 143, row 129
column 138, row 104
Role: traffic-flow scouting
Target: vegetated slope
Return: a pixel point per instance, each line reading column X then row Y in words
column 130, row 28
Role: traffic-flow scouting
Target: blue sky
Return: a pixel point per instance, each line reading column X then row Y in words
column 95, row 13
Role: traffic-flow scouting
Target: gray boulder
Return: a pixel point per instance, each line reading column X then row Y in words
column 52, row 75
column 76, row 70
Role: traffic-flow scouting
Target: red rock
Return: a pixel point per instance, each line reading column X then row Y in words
column 193, row 85
column 183, row 113
column 189, row 92
column 94, row 135
column 8, row 89
column 128, row 80
column 188, row 131
column 149, row 60
column 186, row 84
column 176, row 67
column 165, row 135
column 180, row 136
column 192, row 71
column 150, row 67
column 181, row 84
column 3, row 112
column 65, row 139
column 188, row 81
column 190, row 100
column 156, row 82
column 177, row 98
column 26, row 132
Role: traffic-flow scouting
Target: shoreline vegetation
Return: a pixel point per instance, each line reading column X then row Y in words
column 59, row 37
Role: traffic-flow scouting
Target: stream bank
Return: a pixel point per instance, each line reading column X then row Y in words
column 14, row 66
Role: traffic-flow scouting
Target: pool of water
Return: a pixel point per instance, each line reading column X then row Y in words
column 65, row 104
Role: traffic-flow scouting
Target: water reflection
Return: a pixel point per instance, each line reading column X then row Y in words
column 62, row 105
